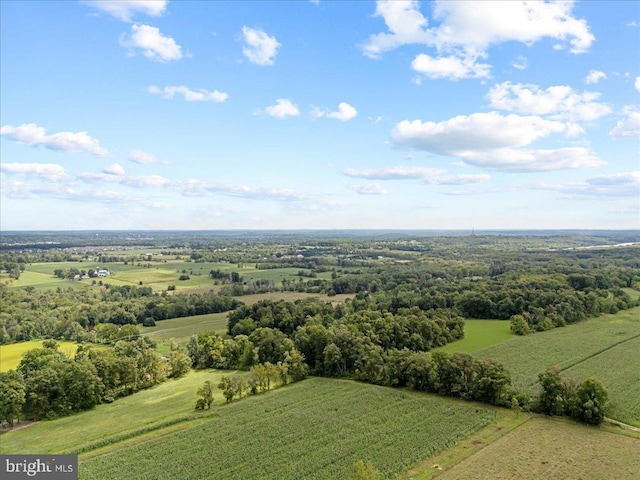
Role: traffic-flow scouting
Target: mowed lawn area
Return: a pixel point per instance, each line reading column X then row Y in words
column 605, row 347
column 480, row 334
column 552, row 448
column 318, row 428
column 167, row 405
column 10, row 355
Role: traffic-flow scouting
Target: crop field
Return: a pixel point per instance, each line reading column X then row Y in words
column 552, row 448
column 156, row 274
column 318, row 428
column 480, row 334
column 181, row 329
column 167, row 403
column 577, row 349
column 10, row 355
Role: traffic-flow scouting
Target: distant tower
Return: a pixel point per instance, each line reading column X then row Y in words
column 473, row 231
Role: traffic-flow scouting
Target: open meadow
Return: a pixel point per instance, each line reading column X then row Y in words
column 156, row 409
column 10, row 355
column 181, row 329
column 318, row 428
column 480, row 334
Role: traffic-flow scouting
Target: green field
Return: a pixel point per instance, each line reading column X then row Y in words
column 158, row 274
column 552, row 448
column 317, row 428
column 181, row 329
column 480, row 334
column 151, row 409
column 602, row 346
column 10, row 355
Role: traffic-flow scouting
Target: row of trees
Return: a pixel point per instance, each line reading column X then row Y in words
column 48, row 384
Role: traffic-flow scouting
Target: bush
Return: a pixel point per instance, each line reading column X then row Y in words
column 149, row 322
column 184, row 277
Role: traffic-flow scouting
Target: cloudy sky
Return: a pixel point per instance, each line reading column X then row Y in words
column 319, row 115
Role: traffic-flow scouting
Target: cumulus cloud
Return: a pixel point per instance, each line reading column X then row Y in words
column 152, row 43
column 368, row 189
column 69, row 142
column 143, row 158
column 344, row 113
column 192, row 188
column 520, row 63
column 283, row 108
column 637, row 83
column 131, row 181
column 561, row 101
column 125, row 9
column 595, row 76
column 493, row 141
column 50, row 172
column 451, row 67
column 259, row 48
column 467, row 29
column 629, row 126
column 200, row 95
column 479, row 131
column 406, row 26
column 114, row 169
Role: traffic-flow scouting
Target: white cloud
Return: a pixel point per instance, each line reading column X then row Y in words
column 133, row 181
column 114, row 169
column 561, row 101
column 628, row 126
column 153, row 44
column 637, row 83
column 451, row 67
column 475, row 26
column 344, row 113
column 400, row 172
column 125, row 9
column 260, row 48
column 406, row 26
column 368, row 189
column 47, row 171
column 69, row 142
column 525, row 160
column 626, row 184
column 143, row 158
column 520, row 63
column 468, row 28
column 459, row 179
column 595, row 76
column 283, row 108
column 200, row 95
column 476, row 132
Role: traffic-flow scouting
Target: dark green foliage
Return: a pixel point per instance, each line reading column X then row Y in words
column 552, row 399
column 588, row 404
column 12, row 396
column 206, row 396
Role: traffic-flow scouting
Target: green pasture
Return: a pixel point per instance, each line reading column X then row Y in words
column 158, row 274
column 480, row 334
column 128, row 417
column 10, row 355
column 318, row 428
column 551, row 448
column 181, row 329
column 602, row 346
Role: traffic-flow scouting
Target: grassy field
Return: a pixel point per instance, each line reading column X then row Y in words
column 480, row 334
column 317, row 428
column 150, row 409
column 181, row 329
column 10, row 355
column 550, row 448
column 158, row 274
column 602, row 346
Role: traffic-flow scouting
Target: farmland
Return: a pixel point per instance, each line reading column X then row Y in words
column 148, row 410
column 10, row 355
column 181, row 329
column 605, row 346
column 550, row 448
column 480, row 334
column 317, row 428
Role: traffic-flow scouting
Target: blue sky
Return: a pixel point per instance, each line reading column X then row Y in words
column 319, row 115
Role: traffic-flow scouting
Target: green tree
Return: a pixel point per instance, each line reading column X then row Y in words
column 227, row 387
column 589, row 402
column 551, row 400
column 206, row 396
column 364, row 471
column 12, row 396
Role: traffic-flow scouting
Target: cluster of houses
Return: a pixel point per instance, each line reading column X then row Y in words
column 98, row 272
